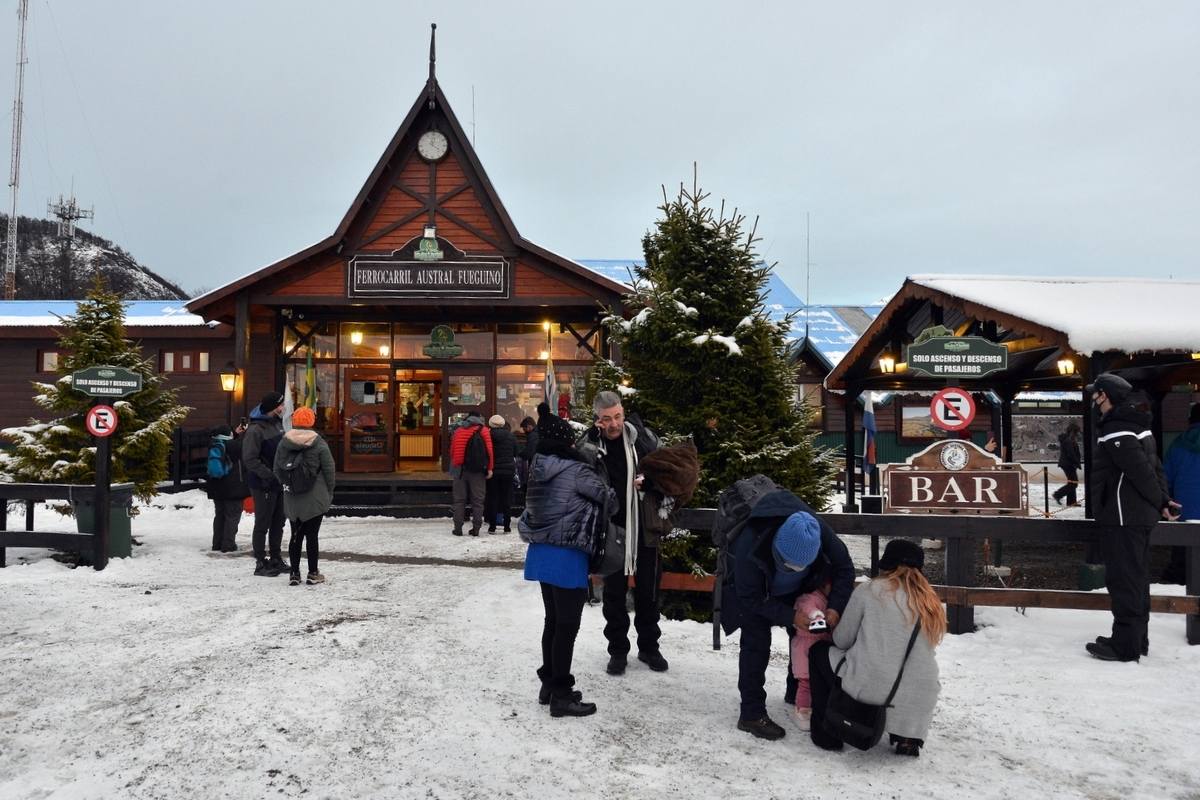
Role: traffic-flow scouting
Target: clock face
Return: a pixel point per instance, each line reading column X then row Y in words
column 432, row 145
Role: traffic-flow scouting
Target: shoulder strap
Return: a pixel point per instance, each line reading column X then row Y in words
column 911, row 641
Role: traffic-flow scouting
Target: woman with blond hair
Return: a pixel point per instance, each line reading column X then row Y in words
column 870, row 644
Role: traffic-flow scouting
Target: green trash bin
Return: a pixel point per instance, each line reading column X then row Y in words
column 119, row 534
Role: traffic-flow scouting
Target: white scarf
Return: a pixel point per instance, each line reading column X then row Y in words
column 632, row 495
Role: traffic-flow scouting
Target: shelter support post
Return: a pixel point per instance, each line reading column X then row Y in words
column 850, row 401
column 1156, row 420
column 1092, row 572
column 241, row 347
column 960, row 571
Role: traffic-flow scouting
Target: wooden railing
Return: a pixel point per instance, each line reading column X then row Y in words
column 961, row 533
column 33, row 493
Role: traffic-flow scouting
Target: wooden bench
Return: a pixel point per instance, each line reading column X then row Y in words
column 33, row 493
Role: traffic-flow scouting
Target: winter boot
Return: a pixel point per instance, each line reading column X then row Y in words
column 654, row 661
column 294, row 580
column 270, row 569
column 616, row 665
column 763, row 728
column 260, row 568
column 315, row 578
column 277, row 561
column 567, row 703
column 906, row 746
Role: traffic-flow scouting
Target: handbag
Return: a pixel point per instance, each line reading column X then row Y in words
column 610, row 558
column 856, row 723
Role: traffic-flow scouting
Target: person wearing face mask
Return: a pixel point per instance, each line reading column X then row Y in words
column 783, row 552
column 1129, row 495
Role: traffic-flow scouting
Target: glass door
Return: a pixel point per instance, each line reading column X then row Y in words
column 369, row 418
column 418, row 418
column 467, row 388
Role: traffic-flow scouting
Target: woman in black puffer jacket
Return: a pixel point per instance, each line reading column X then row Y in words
column 566, row 513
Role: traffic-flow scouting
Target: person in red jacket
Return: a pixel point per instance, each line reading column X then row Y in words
column 471, row 464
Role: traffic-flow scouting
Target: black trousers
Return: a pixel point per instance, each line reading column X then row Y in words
column 306, row 532
column 645, row 606
column 268, row 522
column 821, row 681
column 1127, row 577
column 226, row 516
column 753, row 656
column 1068, row 489
column 564, row 610
column 498, row 500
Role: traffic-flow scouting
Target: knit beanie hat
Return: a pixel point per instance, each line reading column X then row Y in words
column 555, row 429
column 496, row 421
column 798, row 539
column 901, row 552
column 270, row 402
column 304, row 417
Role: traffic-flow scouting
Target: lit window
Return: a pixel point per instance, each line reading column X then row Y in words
column 47, row 361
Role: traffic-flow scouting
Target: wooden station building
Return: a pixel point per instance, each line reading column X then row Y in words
column 424, row 302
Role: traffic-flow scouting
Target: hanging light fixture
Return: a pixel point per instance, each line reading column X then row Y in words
column 355, row 337
column 384, row 350
column 545, row 354
column 887, row 363
column 1066, row 367
column 229, row 378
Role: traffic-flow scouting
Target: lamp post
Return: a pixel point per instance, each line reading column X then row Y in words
column 229, row 378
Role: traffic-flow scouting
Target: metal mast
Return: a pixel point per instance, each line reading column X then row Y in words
column 14, row 175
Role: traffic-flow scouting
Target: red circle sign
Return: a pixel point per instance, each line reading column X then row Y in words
column 101, row 421
column 952, row 409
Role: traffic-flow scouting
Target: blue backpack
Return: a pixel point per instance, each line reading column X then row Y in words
column 218, row 464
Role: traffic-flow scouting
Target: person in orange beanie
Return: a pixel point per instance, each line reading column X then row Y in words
column 304, row 466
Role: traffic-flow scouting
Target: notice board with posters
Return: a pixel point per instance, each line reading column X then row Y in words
column 955, row 477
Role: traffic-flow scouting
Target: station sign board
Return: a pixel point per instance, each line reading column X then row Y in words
column 956, row 357
column 427, row 268
column 106, row 382
column 955, row 477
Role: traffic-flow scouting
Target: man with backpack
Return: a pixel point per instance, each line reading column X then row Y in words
column 471, row 464
column 773, row 549
column 258, row 457
column 226, row 486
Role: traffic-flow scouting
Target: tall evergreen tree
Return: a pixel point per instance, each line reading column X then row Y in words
column 62, row 451
column 701, row 356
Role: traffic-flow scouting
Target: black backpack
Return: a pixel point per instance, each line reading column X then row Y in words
column 476, row 458
column 298, row 476
column 734, row 505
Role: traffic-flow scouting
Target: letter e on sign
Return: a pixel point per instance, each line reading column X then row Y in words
column 101, row 421
column 952, row 409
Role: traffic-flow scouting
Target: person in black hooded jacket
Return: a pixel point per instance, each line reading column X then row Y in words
column 1069, row 461
column 1129, row 495
column 783, row 552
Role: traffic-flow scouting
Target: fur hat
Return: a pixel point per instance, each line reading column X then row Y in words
column 304, row 417
column 798, row 539
column 901, row 553
column 1116, row 387
column 270, row 402
column 555, row 429
column 496, row 421
column 673, row 471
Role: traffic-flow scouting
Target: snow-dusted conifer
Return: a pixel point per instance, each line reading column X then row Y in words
column 62, row 451
column 702, row 358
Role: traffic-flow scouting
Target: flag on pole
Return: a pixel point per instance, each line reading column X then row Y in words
column 869, row 434
column 310, row 384
column 550, row 388
column 289, row 404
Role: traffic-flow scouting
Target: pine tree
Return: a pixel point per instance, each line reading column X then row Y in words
column 62, row 451
column 701, row 357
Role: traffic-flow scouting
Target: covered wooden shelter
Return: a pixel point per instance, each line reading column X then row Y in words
column 1057, row 335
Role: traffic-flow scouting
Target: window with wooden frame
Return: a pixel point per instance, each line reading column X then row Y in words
column 811, row 394
column 182, row 361
column 47, row 361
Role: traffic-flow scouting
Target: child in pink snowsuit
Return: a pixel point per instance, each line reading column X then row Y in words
column 812, row 605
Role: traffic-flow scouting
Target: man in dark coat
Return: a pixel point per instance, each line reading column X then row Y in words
column 783, row 552
column 1070, row 461
column 498, row 500
column 258, row 457
column 1129, row 496
column 1182, row 465
column 228, row 491
column 619, row 444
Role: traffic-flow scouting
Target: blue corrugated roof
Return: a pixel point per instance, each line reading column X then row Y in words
column 829, row 333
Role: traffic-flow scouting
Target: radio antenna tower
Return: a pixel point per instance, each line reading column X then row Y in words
column 68, row 213
column 14, row 175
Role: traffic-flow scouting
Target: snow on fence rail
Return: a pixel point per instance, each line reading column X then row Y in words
column 960, row 534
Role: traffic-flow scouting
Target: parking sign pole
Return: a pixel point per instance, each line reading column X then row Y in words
column 103, row 479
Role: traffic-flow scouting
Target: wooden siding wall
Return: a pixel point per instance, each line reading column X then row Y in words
column 532, row 282
column 325, row 277
column 260, row 377
column 200, row 390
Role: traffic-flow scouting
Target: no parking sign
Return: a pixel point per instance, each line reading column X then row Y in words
column 952, row 409
column 101, row 421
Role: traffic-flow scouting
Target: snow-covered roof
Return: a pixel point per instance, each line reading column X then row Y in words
column 138, row 313
column 1096, row 314
column 831, row 330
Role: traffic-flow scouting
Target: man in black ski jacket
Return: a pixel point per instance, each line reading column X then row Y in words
column 1129, row 495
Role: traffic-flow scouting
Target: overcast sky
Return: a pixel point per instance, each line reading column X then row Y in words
column 1052, row 138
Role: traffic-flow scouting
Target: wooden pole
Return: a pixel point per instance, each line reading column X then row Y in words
column 100, row 501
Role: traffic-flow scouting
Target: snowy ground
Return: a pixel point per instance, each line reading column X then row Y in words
column 177, row 674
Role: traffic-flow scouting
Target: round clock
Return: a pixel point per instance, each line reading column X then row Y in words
column 954, row 456
column 432, row 145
